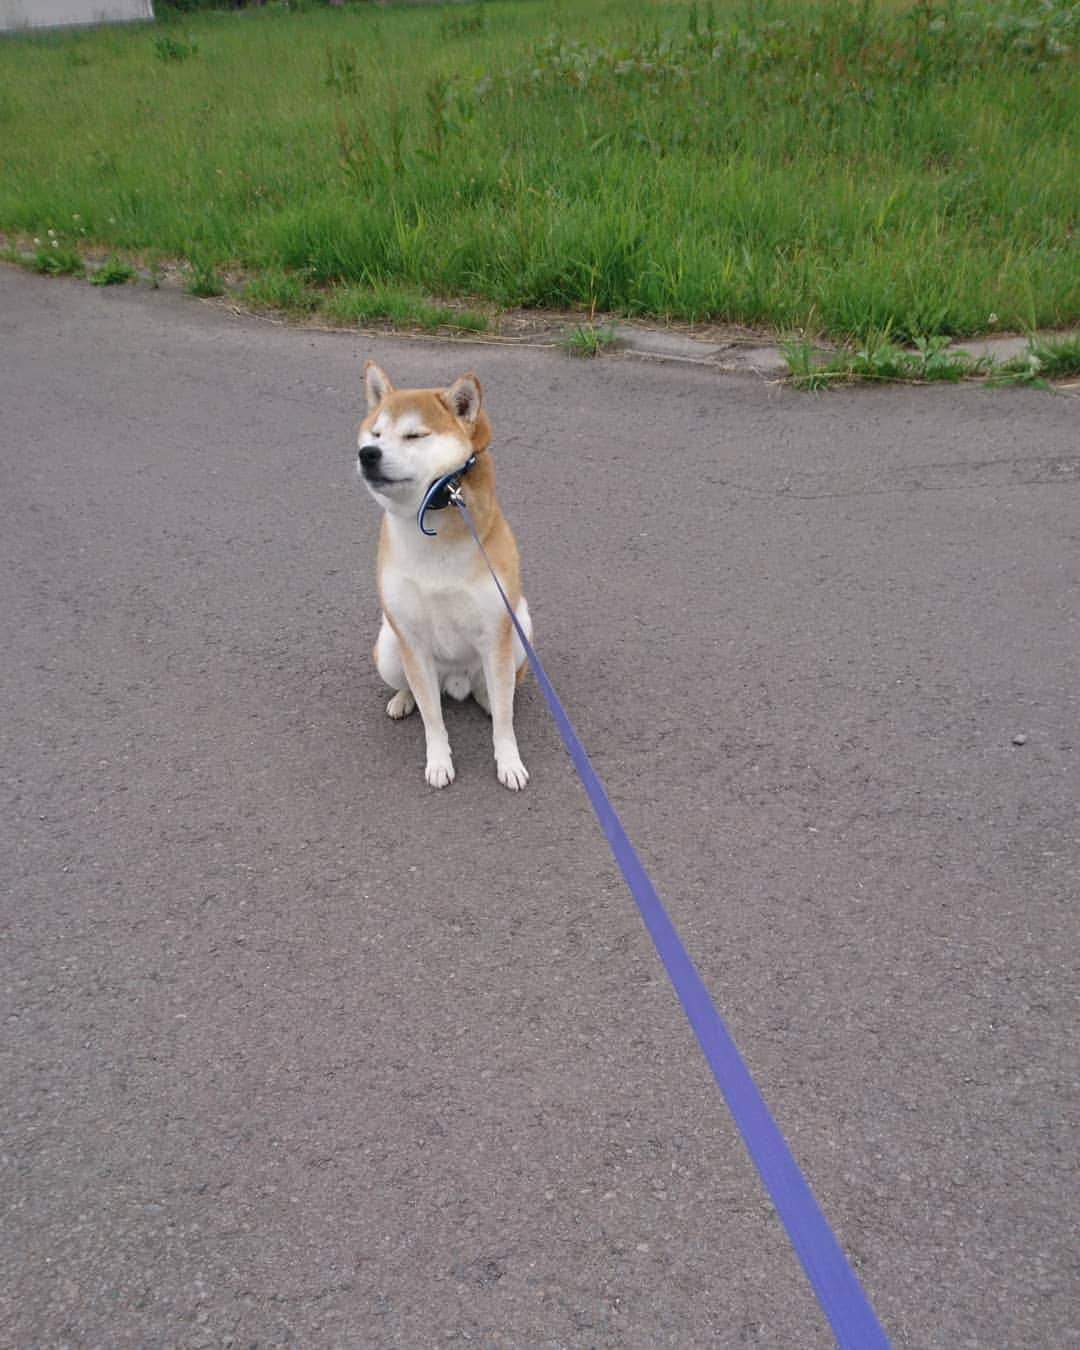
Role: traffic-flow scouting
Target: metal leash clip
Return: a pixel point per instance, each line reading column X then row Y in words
column 441, row 493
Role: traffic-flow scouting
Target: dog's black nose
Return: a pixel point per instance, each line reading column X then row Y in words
column 370, row 455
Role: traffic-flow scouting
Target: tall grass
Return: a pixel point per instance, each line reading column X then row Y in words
column 840, row 163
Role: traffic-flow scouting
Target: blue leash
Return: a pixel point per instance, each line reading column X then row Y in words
column 834, row 1282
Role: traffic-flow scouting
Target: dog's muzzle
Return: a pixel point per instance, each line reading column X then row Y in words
column 370, row 462
column 370, row 459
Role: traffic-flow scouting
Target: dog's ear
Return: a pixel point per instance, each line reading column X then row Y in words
column 463, row 399
column 376, row 384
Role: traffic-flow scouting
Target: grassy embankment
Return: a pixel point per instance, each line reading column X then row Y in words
column 834, row 167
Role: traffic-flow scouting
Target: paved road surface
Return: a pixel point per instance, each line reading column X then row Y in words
column 299, row 1052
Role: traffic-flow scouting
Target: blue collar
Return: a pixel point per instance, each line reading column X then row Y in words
column 440, row 494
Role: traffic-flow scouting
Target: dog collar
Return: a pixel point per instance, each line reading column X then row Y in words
column 440, row 494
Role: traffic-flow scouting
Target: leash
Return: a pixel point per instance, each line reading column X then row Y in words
column 833, row 1280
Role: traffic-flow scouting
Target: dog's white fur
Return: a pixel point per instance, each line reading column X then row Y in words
column 444, row 626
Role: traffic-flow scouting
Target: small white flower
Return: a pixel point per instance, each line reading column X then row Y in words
column 76, row 216
column 38, row 242
column 56, row 243
column 52, row 234
column 992, row 319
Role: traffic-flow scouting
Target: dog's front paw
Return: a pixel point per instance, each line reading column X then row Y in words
column 512, row 773
column 401, row 705
column 439, row 772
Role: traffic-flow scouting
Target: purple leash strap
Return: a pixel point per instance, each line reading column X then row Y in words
column 834, row 1282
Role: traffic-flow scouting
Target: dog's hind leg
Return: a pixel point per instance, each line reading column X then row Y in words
column 389, row 665
column 478, row 689
column 520, row 659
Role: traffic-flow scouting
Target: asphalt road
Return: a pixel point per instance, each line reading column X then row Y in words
column 297, row 1051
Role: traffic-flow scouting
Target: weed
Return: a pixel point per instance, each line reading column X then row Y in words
column 54, row 257
column 1057, row 358
column 808, row 365
column 467, row 23
column 343, row 69
column 436, row 105
column 455, row 320
column 589, row 339
column 397, row 133
column 403, row 308
column 1046, row 359
column 467, row 321
column 880, row 359
column 203, row 279
column 58, row 261
column 168, row 48
column 360, row 155
column 286, row 291
column 112, row 272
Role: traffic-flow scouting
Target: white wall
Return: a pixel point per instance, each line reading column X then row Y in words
column 62, row 13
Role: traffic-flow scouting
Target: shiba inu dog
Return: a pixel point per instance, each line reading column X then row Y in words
column 444, row 626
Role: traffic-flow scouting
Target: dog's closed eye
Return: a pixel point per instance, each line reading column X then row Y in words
column 416, row 435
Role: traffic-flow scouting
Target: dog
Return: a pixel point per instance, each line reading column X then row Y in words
column 444, row 627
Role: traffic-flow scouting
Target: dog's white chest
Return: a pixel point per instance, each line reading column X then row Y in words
column 437, row 598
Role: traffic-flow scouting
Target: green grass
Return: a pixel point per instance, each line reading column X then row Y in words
column 57, row 261
column 56, row 254
column 400, row 307
column 203, row 279
column 112, row 272
column 842, row 165
column 1046, row 359
column 278, row 290
column 1055, row 358
column 590, row 339
column 878, row 358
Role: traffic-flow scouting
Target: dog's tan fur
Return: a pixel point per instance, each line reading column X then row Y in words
column 444, row 626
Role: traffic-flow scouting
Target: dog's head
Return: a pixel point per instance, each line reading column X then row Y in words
column 411, row 437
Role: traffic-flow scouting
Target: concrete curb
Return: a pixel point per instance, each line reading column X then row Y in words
column 667, row 346
column 769, row 360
